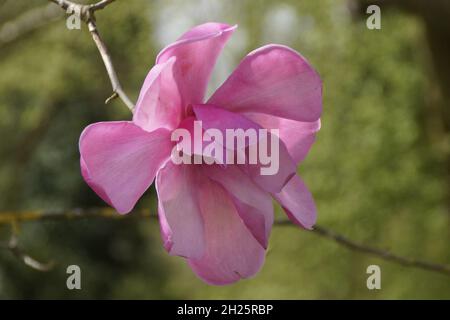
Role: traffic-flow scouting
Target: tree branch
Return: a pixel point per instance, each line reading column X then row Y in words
column 383, row 254
column 13, row 247
column 100, row 5
column 86, row 12
column 117, row 88
column 108, row 213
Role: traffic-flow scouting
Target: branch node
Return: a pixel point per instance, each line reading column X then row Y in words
column 112, row 97
column 86, row 13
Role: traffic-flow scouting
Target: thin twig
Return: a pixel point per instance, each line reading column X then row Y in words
column 117, row 88
column 86, row 13
column 100, row 5
column 108, row 213
column 13, row 247
column 67, row 215
column 383, row 254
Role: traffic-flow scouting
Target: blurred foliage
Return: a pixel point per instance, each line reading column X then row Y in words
column 376, row 171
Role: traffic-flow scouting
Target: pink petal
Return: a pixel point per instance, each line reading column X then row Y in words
column 159, row 103
column 196, row 53
column 97, row 188
column 221, row 119
column 298, row 136
column 274, row 80
column 196, row 145
column 119, row 160
column 254, row 206
column 179, row 211
column 188, row 124
column 298, row 203
column 231, row 252
column 213, row 117
column 273, row 183
column 166, row 232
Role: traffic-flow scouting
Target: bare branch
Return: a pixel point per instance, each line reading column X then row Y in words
column 14, row 248
column 68, row 215
column 87, row 15
column 100, row 5
column 65, row 4
column 383, row 254
column 108, row 213
column 117, row 88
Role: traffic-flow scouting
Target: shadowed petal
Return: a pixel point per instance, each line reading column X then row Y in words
column 119, row 160
column 218, row 118
column 194, row 145
column 179, row 212
column 274, row 80
column 297, row 136
column 284, row 166
column 159, row 103
column 196, row 53
column 254, row 206
column 231, row 252
column 298, row 203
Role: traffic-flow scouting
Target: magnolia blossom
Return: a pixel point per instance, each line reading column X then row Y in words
column 217, row 217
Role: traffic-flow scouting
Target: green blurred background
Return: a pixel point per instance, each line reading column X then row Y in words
column 379, row 170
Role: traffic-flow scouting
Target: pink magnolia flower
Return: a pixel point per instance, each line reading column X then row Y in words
column 217, row 217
